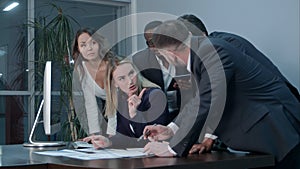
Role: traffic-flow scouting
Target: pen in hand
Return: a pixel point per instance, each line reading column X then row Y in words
column 147, row 133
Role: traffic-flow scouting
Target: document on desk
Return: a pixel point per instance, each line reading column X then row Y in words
column 93, row 154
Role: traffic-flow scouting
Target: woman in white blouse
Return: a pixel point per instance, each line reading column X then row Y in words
column 91, row 53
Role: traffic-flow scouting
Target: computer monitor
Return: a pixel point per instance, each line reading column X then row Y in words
column 46, row 104
column 47, row 98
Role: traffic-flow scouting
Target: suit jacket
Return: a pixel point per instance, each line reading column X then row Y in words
column 255, row 112
column 247, row 48
column 152, row 110
column 149, row 67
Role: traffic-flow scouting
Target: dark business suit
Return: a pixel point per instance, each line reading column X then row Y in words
column 260, row 114
column 147, row 63
column 247, row 48
column 152, row 110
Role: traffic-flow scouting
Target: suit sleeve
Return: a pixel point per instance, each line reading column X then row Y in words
column 122, row 141
column 158, row 107
column 206, row 109
column 220, row 76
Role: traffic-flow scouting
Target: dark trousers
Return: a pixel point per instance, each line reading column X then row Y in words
column 291, row 160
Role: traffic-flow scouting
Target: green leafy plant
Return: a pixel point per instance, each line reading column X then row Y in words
column 53, row 39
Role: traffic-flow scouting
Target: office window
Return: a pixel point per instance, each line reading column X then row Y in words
column 17, row 87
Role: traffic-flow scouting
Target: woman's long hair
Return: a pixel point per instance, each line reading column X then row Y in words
column 111, row 89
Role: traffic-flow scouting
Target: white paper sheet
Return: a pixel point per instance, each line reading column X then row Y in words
column 92, row 154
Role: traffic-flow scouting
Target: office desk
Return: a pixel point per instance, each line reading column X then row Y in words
column 17, row 156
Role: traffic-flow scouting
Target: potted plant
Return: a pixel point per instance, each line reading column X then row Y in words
column 53, row 40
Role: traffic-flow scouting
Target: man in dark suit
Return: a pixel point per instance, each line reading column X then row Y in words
column 253, row 108
column 197, row 28
column 156, row 69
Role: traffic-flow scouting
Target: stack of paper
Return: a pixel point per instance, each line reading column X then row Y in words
column 92, row 154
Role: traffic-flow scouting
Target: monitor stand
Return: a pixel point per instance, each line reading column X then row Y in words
column 45, row 144
column 41, row 143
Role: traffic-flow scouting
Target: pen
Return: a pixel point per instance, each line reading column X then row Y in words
column 148, row 132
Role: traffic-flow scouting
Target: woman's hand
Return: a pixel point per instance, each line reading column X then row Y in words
column 133, row 102
column 98, row 141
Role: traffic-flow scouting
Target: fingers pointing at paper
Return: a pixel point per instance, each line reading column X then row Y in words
column 98, row 141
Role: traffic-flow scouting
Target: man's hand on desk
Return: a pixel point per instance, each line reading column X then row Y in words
column 204, row 147
column 157, row 132
column 159, row 149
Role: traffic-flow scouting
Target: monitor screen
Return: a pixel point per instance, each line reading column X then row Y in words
column 47, row 98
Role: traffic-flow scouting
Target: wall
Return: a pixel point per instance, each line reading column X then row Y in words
column 271, row 25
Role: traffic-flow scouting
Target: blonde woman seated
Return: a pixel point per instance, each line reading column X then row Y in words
column 134, row 101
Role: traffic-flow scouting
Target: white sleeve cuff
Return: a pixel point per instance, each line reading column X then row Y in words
column 211, row 136
column 111, row 125
column 173, row 127
column 172, row 151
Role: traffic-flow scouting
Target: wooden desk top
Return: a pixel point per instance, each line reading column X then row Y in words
column 15, row 156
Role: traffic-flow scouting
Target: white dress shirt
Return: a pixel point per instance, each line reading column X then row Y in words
column 168, row 74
